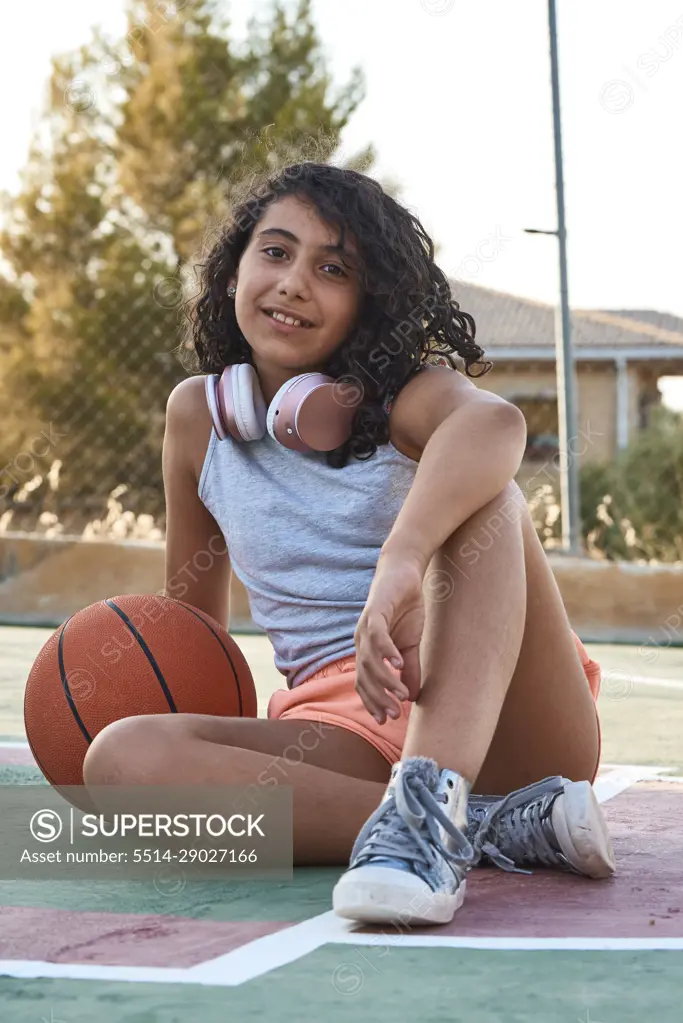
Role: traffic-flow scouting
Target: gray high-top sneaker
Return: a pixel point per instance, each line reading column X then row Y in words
column 554, row 823
column 410, row 859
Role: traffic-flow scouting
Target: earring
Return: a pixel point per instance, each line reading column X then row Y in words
column 232, row 291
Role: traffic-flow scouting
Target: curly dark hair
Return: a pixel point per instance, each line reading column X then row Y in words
column 407, row 317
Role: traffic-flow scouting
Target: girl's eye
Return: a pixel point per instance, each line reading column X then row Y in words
column 276, row 248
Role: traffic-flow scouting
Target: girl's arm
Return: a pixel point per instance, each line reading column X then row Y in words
column 471, row 443
column 198, row 569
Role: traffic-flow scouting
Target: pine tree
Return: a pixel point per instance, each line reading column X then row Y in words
column 142, row 140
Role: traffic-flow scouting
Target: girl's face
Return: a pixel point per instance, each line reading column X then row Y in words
column 292, row 263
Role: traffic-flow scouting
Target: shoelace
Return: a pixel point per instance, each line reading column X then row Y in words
column 396, row 830
column 521, row 824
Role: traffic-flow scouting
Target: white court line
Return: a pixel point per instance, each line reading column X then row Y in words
column 34, row 969
column 609, row 785
column 245, row 963
column 7, row 744
column 514, row 944
column 272, row 951
column 622, row 675
column 275, row 950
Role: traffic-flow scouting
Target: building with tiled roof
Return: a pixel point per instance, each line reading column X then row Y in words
column 620, row 355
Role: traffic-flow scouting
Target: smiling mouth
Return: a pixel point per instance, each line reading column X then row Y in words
column 299, row 325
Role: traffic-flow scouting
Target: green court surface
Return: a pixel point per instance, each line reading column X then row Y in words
column 549, row 947
column 435, row 985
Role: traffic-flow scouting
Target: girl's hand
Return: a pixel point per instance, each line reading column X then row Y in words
column 390, row 627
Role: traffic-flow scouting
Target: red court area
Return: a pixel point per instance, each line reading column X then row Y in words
column 644, row 900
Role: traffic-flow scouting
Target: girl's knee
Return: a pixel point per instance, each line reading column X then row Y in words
column 131, row 751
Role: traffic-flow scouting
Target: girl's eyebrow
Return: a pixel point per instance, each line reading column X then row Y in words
column 292, row 237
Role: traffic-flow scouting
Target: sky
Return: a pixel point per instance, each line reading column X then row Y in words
column 459, row 108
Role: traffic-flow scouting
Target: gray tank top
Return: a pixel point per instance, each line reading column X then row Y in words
column 304, row 539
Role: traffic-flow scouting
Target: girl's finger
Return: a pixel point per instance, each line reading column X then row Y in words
column 376, row 698
column 377, row 636
column 394, row 710
column 380, row 645
column 395, row 683
column 372, row 693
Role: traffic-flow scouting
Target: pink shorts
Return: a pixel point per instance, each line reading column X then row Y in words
column 330, row 696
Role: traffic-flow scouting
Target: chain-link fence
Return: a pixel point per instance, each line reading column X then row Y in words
column 112, row 211
column 81, row 444
column 81, row 448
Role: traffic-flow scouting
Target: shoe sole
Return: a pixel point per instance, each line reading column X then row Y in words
column 581, row 830
column 375, row 895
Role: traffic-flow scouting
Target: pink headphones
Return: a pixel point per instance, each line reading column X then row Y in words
column 305, row 415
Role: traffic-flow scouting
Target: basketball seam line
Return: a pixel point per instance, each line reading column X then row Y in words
column 235, row 674
column 147, row 652
column 65, row 684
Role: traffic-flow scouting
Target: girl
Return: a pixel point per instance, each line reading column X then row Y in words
column 399, row 576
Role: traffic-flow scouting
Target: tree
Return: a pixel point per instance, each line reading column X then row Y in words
column 142, row 140
column 631, row 506
column 634, row 504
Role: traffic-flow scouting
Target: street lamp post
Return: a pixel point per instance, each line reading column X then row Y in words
column 565, row 369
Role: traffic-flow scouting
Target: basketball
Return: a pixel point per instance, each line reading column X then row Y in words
column 125, row 656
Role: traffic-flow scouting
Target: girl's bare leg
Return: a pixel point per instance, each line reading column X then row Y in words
column 338, row 778
column 504, row 698
column 504, row 702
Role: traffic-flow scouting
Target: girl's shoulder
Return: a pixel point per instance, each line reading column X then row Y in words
column 419, row 397
column 397, row 435
column 188, row 418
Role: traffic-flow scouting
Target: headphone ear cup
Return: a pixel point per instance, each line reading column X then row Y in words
column 248, row 405
column 306, row 416
column 210, row 386
column 277, row 402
